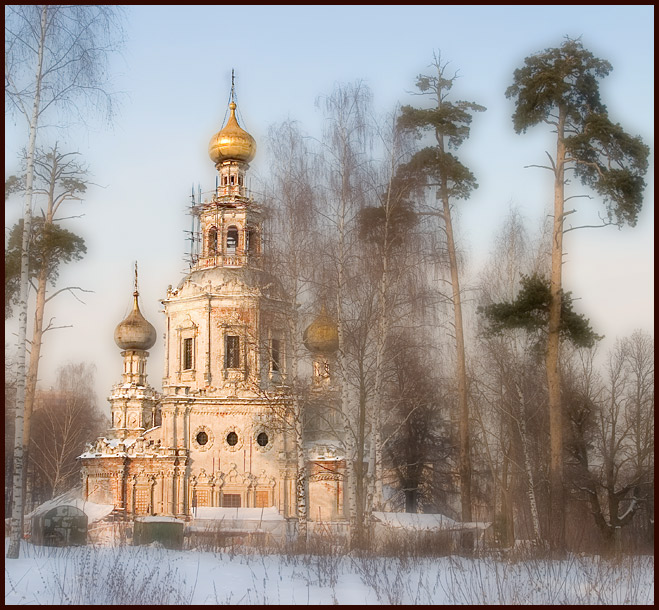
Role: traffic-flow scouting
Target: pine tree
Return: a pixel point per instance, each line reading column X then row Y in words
column 559, row 87
column 435, row 167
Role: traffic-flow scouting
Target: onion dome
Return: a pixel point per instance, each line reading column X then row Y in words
column 135, row 332
column 232, row 142
column 322, row 335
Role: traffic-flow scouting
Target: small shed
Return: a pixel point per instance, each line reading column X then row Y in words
column 62, row 525
column 62, row 520
column 167, row 531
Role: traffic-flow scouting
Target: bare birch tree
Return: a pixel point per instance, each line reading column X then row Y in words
column 55, row 59
column 611, row 433
column 506, row 384
column 64, row 419
column 292, row 254
column 345, row 142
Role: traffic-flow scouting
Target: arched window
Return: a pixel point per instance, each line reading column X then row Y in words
column 212, row 241
column 232, row 240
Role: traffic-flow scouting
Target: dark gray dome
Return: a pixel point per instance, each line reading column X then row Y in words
column 135, row 332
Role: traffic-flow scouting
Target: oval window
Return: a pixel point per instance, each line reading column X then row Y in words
column 232, row 438
column 262, row 439
column 202, row 438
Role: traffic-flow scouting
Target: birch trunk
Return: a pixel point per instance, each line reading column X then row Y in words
column 375, row 498
column 13, row 550
column 300, row 474
column 533, row 505
column 301, row 500
column 346, row 409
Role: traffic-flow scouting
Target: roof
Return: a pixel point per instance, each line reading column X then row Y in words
column 237, row 514
column 416, row 521
column 94, row 512
column 158, row 519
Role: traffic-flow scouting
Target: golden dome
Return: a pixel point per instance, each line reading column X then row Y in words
column 232, row 142
column 135, row 332
column 322, row 335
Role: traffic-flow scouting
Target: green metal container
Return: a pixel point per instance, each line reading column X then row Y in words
column 167, row 531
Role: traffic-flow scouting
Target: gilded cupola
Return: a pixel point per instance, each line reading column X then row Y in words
column 135, row 332
column 322, row 335
column 232, row 142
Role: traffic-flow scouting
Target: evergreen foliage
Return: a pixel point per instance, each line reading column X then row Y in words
column 530, row 311
column 564, row 82
column 51, row 246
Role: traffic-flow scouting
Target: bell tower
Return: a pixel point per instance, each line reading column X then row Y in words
column 229, row 223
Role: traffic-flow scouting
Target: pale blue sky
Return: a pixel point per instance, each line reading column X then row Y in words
column 175, row 76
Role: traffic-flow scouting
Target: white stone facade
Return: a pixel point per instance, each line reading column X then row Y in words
column 219, row 432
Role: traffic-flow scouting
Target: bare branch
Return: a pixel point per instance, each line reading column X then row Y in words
column 69, row 289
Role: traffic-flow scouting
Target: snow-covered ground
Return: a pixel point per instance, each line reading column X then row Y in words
column 153, row 575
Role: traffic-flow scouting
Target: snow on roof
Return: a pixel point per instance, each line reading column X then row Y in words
column 237, row 514
column 158, row 519
column 94, row 512
column 416, row 521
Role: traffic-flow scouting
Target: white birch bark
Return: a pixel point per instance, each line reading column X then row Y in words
column 13, row 550
column 521, row 426
column 350, row 485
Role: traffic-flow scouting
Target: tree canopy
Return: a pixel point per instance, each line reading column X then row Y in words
column 530, row 311
column 561, row 86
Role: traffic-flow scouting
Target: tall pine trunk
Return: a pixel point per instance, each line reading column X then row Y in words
column 556, row 493
column 32, row 375
column 464, row 467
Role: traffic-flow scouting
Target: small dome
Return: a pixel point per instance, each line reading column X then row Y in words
column 135, row 332
column 232, row 142
column 322, row 335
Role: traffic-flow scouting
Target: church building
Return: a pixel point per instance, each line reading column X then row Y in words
column 219, row 433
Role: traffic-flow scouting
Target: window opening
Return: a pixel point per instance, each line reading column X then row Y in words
column 232, row 240
column 232, row 439
column 230, row 500
column 232, row 353
column 202, row 438
column 275, row 364
column 232, row 179
column 187, row 354
column 212, row 241
column 262, row 439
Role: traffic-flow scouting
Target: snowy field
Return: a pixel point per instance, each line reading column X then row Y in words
column 153, row 575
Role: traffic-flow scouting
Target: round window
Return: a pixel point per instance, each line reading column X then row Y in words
column 202, row 438
column 232, row 439
column 262, row 439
